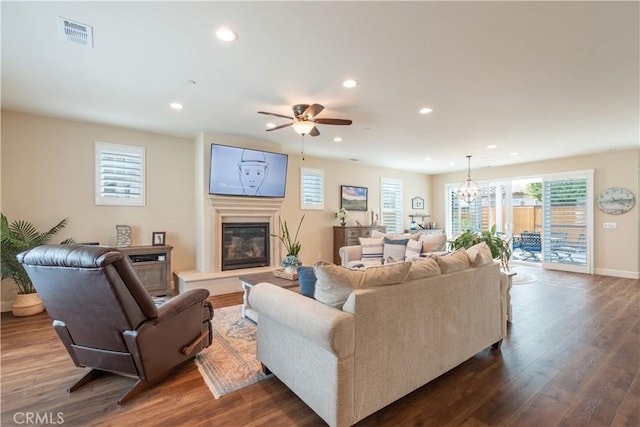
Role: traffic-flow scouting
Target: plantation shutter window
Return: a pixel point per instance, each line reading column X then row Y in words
column 119, row 175
column 391, row 201
column 311, row 188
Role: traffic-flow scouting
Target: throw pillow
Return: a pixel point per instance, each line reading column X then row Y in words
column 307, row 280
column 394, row 248
column 372, row 247
column 480, row 255
column 433, row 242
column 414, row 248
column 423, row 267
column 398, row 236
column 335, row 283
column 455, row 261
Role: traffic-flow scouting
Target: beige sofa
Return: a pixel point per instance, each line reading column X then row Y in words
column 385, row 342
column 353, row 255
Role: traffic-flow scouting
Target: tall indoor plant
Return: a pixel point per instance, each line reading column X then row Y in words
column 291, row 245
column 500, row 248
column 17, row 237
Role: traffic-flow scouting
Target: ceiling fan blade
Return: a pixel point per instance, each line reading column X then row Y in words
column 274, row 114
column 314, row 131
column 279, row 127
column 324, row 121
column 312, row 111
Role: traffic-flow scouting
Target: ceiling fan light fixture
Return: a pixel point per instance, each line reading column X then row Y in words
column 468, row 190
column 303, row 127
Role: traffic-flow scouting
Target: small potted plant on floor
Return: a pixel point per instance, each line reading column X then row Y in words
column 291, row 244
column 17, row 237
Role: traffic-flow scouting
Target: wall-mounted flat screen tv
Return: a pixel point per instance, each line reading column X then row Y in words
column 239, row 171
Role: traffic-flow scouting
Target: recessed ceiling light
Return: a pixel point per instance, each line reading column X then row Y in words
column 426, row 110
column 226, row 35
column 492, row 146
column 349, row 83
column 270, row 125
column 337, row 139
column 452, row 163
column 176, row 106
column 513, row 154
column 428, row 159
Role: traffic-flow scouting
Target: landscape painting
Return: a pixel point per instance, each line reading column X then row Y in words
column 353, row 198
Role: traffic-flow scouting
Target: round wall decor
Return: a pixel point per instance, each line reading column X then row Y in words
column 616, row 200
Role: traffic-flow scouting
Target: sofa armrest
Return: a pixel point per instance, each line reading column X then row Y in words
column 350, row 253
column 327, row 327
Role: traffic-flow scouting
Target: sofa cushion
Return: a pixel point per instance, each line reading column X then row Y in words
column 372, row 247
column 414, row 248
column 433, row 242
column 307, row 280
column 423, row 267
column 334, row 282
column 394, row 248
column 455, row 261
column 480, row 254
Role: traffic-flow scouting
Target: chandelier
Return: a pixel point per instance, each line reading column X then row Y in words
column 469, row 189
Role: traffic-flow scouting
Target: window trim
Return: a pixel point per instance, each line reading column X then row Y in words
column 304, row 171
column 100, row 199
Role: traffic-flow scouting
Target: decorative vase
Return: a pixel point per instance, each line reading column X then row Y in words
column 27, row 305
column 343, row 222
column 289, row 269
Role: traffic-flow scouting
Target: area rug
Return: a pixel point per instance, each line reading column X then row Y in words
column 522, row 277
column 230, row 363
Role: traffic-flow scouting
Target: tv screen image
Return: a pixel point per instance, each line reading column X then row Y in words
column 237, row 171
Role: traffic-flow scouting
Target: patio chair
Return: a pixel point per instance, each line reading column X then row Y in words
column 107, row 320
column 531, row 245
column 558, row 240
column 569, row 249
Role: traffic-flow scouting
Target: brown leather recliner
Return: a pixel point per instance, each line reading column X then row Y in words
column 107, row 320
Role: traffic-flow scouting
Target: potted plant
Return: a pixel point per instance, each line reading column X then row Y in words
column 499, row 247
column 17, row 237
column 342, row 215
column 291, row 245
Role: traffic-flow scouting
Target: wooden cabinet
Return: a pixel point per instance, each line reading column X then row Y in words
column 348, row 236
column 153, row 266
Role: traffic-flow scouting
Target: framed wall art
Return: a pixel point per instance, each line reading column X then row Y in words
column 157, row 238
column 417, row 203
column 353, row 198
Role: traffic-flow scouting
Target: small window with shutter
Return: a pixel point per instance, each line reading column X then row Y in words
column 120, row 175
column 311, row 188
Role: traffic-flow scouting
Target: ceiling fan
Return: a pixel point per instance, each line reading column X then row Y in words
column 304, row 120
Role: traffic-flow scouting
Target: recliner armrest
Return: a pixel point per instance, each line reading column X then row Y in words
column 182, row 302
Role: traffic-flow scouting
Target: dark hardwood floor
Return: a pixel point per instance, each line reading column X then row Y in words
column 572, row 358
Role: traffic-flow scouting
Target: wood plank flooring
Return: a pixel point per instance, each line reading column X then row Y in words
column 572, row 358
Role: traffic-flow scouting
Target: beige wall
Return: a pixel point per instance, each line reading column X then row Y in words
column 616, row 251
column 48, row 174
column 316, row 234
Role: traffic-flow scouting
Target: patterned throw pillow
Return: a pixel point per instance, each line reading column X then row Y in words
column 414, row 248
column 394, row 248
column 372, row 247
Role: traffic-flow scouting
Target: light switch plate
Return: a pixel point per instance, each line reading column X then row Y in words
column 610, row 225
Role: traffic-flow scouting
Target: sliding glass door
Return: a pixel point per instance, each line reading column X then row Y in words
column 567, row 222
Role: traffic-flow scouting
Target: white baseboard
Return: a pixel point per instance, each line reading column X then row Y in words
column 618, row 273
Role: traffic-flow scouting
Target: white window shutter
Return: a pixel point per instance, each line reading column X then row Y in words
column 391, row 204
column 311, row 188
column 120, row 175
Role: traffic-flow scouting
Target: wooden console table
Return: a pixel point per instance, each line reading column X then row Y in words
column 153, row 265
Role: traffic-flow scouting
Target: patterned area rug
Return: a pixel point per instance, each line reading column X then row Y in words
column 523, row 277
column 230, row 363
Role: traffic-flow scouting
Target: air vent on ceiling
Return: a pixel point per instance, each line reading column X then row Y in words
column 75, row 32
